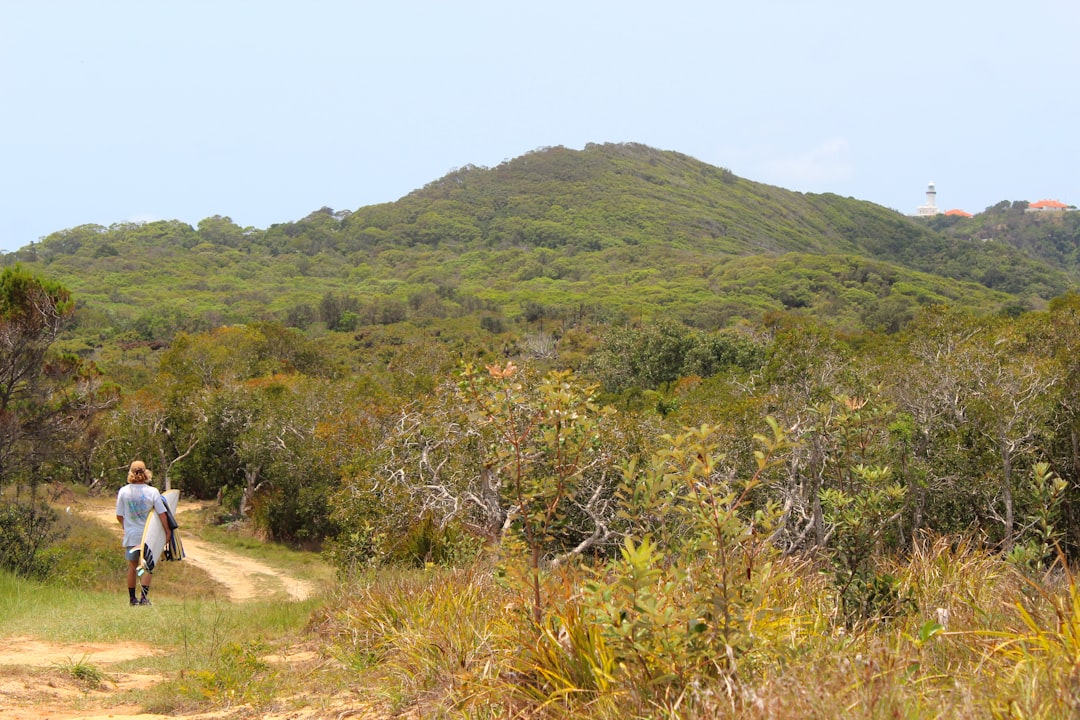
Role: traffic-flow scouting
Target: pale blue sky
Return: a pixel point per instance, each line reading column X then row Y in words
column 266, row 110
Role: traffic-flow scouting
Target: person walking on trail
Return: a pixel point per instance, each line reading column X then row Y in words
column 134, row 503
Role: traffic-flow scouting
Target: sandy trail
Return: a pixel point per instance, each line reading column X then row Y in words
column 34, row 686
column 244, row 578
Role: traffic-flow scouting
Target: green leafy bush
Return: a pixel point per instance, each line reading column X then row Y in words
column 27, row 528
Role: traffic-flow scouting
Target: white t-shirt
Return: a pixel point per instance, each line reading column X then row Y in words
column 133, row 503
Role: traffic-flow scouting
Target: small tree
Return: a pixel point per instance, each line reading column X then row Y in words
column 46, row 400
column 681, row 601
column 1041, row 535
column 32, row 314
column 859, row 514
column 544, row 448
column 527, row 462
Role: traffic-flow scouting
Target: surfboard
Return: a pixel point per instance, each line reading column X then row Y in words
column 152, row 550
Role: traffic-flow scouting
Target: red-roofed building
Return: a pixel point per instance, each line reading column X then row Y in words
column 1047, row 206
column 958, row 213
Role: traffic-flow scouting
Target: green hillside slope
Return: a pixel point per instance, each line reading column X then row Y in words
column 608, row 233
column 1049, row 237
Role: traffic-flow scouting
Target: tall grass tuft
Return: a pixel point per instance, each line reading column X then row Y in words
column 566, row 667
column 1041, row 658
column 425, row 637
column 84, row 672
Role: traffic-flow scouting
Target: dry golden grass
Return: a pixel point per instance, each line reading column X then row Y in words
column 979, row 640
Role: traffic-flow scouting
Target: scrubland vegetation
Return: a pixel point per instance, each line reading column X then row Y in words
column 802, row 457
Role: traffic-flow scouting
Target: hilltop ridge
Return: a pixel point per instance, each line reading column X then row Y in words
column 613, row 232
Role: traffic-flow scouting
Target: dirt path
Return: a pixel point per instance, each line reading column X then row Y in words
column 35, row 678
column 34, row 686
column 244, row 577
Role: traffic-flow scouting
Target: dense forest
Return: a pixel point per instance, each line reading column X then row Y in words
column 578, row 357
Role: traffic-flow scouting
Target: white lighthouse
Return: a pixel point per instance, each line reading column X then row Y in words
column 930, row 208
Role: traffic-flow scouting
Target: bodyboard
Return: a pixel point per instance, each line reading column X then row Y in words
column 152, row 548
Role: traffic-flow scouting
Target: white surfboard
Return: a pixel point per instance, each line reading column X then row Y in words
column 152, row 550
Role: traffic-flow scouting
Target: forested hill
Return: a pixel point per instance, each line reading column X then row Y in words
column 611, row 232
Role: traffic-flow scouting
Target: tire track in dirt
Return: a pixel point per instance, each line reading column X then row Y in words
column 244, row 578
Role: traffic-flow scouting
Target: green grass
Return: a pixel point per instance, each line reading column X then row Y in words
column 208, row 651
column 62, row 614
column 84, row 672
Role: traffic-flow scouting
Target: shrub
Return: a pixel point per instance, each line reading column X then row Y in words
column 686, row 602
column 26, row 528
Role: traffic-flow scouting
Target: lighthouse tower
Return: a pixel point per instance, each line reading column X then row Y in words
column 930, row 208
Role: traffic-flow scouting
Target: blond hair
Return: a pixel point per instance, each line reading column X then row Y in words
column 138, row 472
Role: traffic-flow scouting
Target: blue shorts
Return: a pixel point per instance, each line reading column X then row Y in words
column 132, row 553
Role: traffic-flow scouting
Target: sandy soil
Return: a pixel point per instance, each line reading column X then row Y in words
column 36, row 682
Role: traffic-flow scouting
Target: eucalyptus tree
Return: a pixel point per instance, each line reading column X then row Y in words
column 1058, row 334
column 506, row 454
column 1011, row 401
column 924, row 372
column 187, row 420
column 145, row 425
column 290, row 438
column 172, row 418
column 46, row 398
column 806, row 368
